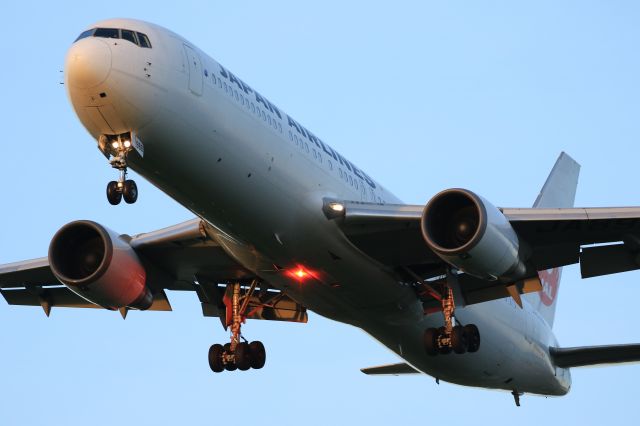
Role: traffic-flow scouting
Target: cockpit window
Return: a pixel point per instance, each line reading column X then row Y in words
column 144, row 40
column 136, row 38
column 129, row 35
column 107, row 33
column 85, row 34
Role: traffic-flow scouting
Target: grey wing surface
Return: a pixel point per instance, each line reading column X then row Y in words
column 603, row 240
column 182, row 257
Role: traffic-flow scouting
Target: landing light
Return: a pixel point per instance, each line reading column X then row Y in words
column 336, row 207
column 115, row 144
column 127, row 144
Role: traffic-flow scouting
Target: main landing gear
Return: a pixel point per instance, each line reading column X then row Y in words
column 237, row 354
column 458, row 338
column 123, row 187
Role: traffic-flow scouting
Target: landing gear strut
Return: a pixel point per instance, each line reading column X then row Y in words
column 456, row 338
column 238, row 353
column 123, row 187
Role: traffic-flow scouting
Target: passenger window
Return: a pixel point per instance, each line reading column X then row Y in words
column 280, row 127
column 253, row 108
column 107, row 33
column 340, row 171
column 130, row 36
column 144, row 40
column 85, row 34
column 269, row 119
column 350, row 180
column 330, row 165
column 264, row 116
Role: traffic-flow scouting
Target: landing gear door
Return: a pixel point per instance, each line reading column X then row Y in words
column 195, row 71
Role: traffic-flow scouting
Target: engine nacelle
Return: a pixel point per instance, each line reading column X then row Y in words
column 99, row 266
column 471, row 234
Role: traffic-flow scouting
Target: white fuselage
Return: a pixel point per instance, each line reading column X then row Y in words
column 231, row 157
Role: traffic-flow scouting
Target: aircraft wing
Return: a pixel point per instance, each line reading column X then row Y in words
column 181, row 257
column 603, row 240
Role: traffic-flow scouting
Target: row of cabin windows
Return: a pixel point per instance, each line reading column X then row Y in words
column 134, row 37
column 358, row 184
column 245, row 102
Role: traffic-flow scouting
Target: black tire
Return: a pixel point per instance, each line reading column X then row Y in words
column 113, row 194
column 444, row 350
column 229, row 366
column 258, row 354
column 472, row 334
column 243, row 356
column 130, row 191
column 215, row 358
column 431, row 341
column 458, row 340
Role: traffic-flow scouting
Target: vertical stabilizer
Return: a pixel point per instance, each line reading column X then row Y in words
column 558, row 191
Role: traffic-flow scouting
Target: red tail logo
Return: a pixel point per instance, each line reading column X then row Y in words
column 549, row 280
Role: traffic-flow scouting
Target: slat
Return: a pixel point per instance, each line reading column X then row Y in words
column 191, row 231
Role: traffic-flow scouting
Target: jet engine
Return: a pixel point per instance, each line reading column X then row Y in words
column 471, row 234
column 99, row 265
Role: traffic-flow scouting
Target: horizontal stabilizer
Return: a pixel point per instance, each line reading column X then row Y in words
column 390, row 369
column 594, row 355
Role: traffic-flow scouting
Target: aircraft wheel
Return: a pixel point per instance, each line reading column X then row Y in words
column 229, row 366
column 431, row 341
column 472, row 335
column 458, row 340
column 130, row 191
column 243, row 356
column 113, row 194
column 258, row 355
column 444, row 350
column 215, row 358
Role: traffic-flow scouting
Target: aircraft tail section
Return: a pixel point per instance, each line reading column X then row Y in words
column 594, row 355
column 559, row 191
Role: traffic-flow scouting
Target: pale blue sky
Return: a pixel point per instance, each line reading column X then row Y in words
column 423, row 96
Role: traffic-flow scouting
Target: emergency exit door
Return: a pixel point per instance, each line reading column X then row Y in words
column 195, row 71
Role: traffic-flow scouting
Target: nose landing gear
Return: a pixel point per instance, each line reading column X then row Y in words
column 237, row 354
column 123, row 187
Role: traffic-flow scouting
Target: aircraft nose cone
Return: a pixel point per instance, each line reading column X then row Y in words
column 88, row 63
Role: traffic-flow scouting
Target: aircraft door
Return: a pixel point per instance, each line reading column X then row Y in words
column 195, row 71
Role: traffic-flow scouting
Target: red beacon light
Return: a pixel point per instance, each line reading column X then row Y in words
column 299, row 273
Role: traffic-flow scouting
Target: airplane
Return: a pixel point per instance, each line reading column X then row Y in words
column 459, row 289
